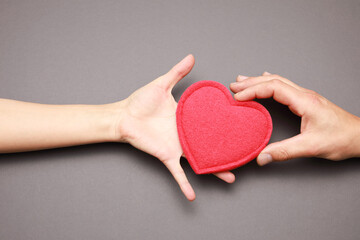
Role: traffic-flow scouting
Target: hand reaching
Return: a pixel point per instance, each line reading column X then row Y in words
column 327, row 131
column 148, row 122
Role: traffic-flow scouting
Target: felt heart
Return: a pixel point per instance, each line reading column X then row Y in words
column 218, row 133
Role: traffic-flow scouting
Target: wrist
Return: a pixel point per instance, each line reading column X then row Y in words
column 116, row 113
column 351, row 138
column 356, row 141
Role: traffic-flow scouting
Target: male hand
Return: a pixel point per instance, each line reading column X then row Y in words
column 327, row 131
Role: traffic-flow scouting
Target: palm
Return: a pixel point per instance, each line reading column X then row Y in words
column 150, row 124
column 151, row 111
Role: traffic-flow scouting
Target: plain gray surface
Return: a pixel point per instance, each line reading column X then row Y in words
column 95, row 52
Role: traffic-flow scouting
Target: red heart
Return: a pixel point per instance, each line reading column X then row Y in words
column 218, row 133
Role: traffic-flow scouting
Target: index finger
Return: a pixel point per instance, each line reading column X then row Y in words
column 277, row 89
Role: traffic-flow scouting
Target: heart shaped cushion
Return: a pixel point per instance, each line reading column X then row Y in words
column 218, row 133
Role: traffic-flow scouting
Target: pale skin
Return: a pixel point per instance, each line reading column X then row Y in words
column 146, row 120
column 327, row 131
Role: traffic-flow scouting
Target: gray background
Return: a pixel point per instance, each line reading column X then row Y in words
column 95, row 52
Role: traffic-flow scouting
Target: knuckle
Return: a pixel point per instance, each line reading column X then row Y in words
column 312, row 92
column 283, row 154
column 276, row 82
column 249, row 79
column 315, row 98
column 277, row 76
column 177, row 72
column 268, row 86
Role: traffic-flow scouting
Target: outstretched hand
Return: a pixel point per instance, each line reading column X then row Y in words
column 148, row 122
column 327, row 131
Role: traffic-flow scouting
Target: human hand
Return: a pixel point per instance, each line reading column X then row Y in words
column 148, row 122
column 327, row 131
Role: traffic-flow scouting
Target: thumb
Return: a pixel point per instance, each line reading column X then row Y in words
column 297, row 146
column 179, row 71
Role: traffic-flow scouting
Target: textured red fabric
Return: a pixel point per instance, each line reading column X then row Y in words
column 218, row 133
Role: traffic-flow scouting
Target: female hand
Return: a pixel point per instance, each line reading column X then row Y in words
column 327, row 131
column 148, row 122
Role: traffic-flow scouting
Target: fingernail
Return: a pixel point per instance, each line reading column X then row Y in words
column 241, row 77
column 264, row 158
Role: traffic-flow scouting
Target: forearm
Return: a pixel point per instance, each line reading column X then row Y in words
column 31, row 126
